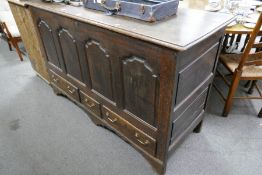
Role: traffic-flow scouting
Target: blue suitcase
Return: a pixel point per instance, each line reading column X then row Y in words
column 147, row 10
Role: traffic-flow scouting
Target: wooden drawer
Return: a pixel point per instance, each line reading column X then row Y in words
column 190, row 113
column 55, row 79
column 133, row 134
column 92, row 105
column 67, row 87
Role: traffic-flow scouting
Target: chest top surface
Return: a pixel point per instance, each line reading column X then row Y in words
column 178, row 32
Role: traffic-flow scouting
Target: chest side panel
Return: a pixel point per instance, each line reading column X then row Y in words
column 195, row 72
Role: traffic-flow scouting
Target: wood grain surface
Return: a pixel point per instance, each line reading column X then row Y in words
column 30, row 39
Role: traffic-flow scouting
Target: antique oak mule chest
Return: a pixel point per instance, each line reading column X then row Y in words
column 148, row 82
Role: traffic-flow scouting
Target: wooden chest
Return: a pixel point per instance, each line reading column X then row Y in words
column 150, row 87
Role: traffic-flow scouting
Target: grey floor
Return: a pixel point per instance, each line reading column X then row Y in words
column 45, row 134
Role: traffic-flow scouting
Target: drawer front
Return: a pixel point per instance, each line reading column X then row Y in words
column 91, row 104
column 195, row 73
column 67, row 87
column 190, row 113
column 129, row 131
column 55, row 79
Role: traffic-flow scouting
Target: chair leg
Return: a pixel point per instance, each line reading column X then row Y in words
column 231, row 93
column 251, row 89
column 10, row 46
column 247, row 84
column 260, row 113
column 18, row 51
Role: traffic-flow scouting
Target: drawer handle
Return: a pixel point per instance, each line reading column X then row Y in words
column 89, row 104
column 111, row 120
column 146, row 142
column 54, row 79
column 71, row 91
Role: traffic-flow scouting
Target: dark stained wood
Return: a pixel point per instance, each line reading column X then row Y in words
column 189, row 129
column 131, row 83
column 91, row 104
column 188, row 56
column 182, row 107
column 191, row 112
column 166, row 101
column 48, row 42
column 64, row 85
column 99, row 62
column 70, row 54
column 140, row 89
column 195, row 73
column 134, row 135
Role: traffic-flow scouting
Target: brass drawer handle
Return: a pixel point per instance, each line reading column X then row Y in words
column 146, row 142
column 89, row 103
column 71, row 91
column 111, row 120
column 54, row 79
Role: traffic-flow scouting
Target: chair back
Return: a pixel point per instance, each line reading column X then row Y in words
column 5, row 30
column 253, row 44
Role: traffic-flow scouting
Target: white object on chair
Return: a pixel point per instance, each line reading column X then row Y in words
column 7, row 17
column 14, row 31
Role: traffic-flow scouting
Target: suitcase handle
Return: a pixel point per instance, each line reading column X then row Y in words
column 111, row 9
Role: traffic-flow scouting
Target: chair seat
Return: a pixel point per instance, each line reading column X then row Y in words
column 231, row 62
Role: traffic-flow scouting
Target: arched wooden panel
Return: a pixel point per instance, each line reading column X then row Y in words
column 70, row 54
column 100, row 69
column 48, row 42
column 140, row 89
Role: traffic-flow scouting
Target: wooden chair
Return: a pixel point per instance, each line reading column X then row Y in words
column 12, row 35
column 3, row 36
column 244, row 66
column 232, row 42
